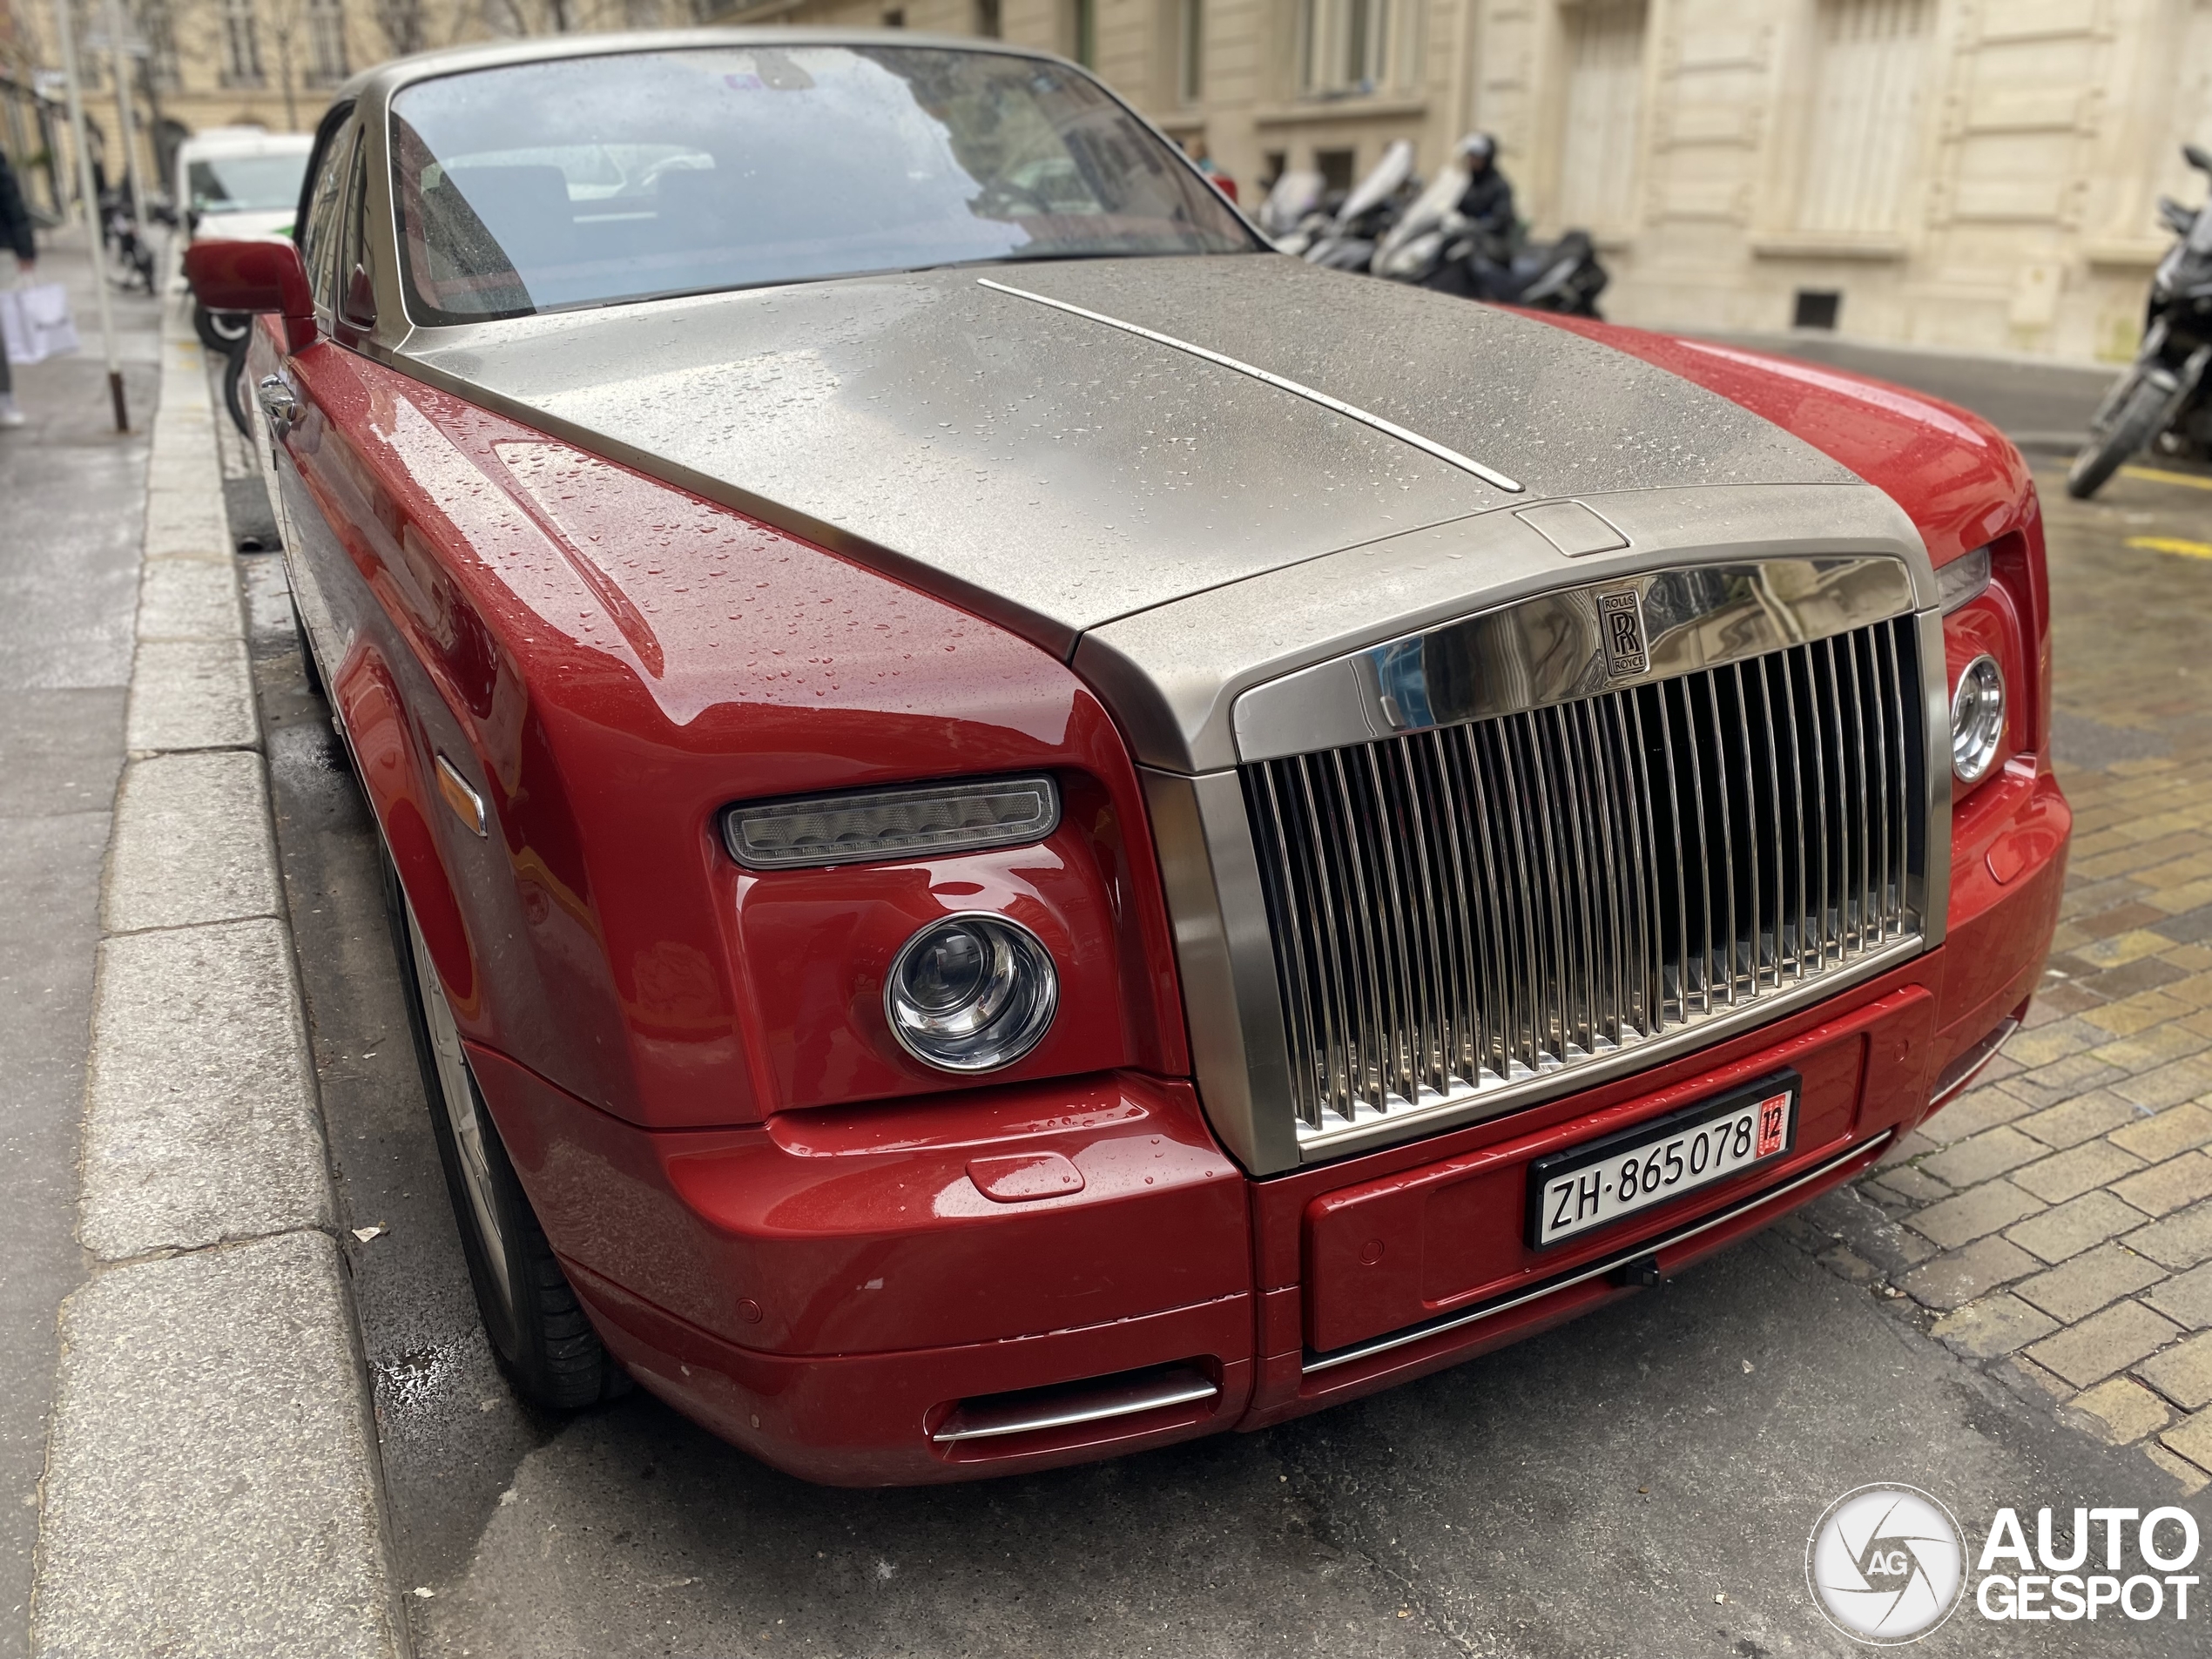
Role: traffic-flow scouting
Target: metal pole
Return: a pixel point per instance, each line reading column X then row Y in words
column 67, row 36
column 125, row 116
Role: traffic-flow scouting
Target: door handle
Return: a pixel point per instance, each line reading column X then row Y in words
column 279, row 403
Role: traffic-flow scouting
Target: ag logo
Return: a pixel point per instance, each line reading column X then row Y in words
column 1885, row 1564
column 1620, row 617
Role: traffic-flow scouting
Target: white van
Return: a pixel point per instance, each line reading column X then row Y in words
column 234, row 182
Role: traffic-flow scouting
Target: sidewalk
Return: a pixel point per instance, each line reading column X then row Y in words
column 195, row 1450
column 72, row 498
column 2054, row 1222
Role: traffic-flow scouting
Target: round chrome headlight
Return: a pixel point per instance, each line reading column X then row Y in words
column 971, row 993
column 1977, row 719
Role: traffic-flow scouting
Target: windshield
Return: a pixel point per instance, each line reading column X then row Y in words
column 245, row 184
column 588, row 181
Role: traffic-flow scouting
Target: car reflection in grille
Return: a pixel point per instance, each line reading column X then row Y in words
column 1461, row 909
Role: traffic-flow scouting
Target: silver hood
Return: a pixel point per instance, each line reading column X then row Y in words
column 1055, row 470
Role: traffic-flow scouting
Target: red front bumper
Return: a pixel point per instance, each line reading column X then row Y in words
column 828, row 1290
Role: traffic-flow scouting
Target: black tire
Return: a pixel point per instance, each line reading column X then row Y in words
column 219, row 330
column 2142, row 409
column 310, row 670
column 539, row 1332
column 234, row 391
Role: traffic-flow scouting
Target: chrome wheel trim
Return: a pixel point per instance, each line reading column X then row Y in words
column 457, row 1093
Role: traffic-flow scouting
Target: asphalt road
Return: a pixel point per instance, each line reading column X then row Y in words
column 74, row 494
column 1641, row 1482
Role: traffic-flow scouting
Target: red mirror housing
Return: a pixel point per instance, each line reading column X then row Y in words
column 256, row 276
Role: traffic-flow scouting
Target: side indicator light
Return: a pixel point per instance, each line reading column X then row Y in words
column 468, row 805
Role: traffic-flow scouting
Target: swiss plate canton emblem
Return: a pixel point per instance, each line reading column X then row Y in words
column 1619, row 618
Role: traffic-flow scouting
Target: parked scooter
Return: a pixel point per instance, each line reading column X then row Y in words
column 133, row 256
column 1562, row 276
column 1434, row 245
column 1292, row 216
column 1347, row 242
column 2161, row 398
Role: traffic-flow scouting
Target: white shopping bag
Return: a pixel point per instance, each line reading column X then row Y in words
column 35, row 323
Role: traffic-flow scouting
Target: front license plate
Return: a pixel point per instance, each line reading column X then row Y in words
column 1599, row 1181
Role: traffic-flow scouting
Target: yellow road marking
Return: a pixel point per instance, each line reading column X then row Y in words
column 2172, row 544
column 2187, row 480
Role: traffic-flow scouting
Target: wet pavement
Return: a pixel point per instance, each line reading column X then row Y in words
column 73, row 493
column 1640, row 1482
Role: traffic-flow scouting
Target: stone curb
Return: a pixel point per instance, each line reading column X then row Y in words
column 211, row 1483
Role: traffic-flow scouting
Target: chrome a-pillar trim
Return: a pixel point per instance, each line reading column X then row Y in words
column 1568, row 642
column 1226, row 958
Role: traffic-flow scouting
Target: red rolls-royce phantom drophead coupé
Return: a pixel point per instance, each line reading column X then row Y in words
column 1026, row 829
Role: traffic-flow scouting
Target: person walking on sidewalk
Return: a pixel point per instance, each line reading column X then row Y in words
column 16, row 235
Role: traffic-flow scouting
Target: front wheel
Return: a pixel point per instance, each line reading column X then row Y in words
column 2139, row 412
column 219, row 330
column 234, row 391
column 543, row 1340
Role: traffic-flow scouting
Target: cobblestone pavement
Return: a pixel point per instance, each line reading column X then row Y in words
column 2055, row 1221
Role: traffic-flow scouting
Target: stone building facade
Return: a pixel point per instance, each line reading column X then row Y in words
column 200, row 64
column 1977, row 174
column 1980, row 174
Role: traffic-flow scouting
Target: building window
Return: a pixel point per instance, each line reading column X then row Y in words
column 1869, row 72
column 1817, row 308
column 241, row 44
column 326, row 42
column 1336, row 167
column 159, row 26
column 986, row 19
column 1191, row 53
column 1600, row 113
column 1347, row 47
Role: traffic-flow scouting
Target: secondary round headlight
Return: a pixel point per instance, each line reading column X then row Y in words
column 970, row 992
column 1977, row 719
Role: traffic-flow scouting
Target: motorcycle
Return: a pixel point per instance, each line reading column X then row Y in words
column 1434, row 245
column 1292, row 215
column 2161, row 398
column 133, row 256
column 1347, row 240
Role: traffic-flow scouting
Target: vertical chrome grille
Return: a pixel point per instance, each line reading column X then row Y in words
column 1464, row 908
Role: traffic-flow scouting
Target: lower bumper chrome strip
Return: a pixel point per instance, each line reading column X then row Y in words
column 1064, row 1408
column 1596, row 1270
column 1967, row 1067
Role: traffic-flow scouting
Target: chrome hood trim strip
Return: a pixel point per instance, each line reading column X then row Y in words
column 1282, row 383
